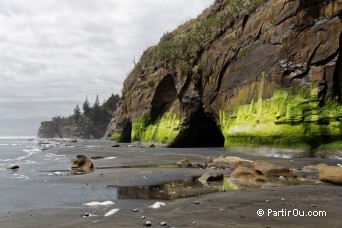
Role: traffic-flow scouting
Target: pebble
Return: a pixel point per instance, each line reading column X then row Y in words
column 194, row 223
column 268, row 201
column 142, row 217
column 135, row 210
column 163, row 223
column 85, row 215
column 221, row 209
column 148, row 223
column 312, row 205
column 197, row 202
column 282, row 199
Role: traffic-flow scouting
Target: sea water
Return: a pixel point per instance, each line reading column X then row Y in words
column 35, row 184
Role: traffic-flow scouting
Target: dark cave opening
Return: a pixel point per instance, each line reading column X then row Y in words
column 202, row 131
column 126, row 133
column 163, row 98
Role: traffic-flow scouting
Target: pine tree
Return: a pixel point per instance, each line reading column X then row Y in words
column 96, row 111
column 77, row 114
column 86, row 108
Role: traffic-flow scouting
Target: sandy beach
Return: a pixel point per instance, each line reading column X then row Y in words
column 136, row 178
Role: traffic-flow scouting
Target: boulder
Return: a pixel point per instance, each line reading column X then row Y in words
column 211, row 176
column 248, row 174
column 271, row 170
column 82, row 164
column 184, row 163
column 331, row 174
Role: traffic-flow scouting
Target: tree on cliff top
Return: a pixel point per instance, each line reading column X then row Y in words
column 86, row 107
column 77, row 114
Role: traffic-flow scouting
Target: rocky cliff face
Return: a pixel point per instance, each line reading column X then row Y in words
column 242, row 73
column 48, row 129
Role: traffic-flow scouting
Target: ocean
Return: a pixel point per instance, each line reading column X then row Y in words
column 35, row 184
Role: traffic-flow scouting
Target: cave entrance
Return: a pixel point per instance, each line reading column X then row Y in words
column 202, row 132
column 164, row 96
column 126, row 133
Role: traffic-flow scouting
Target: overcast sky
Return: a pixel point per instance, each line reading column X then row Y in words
column 54, row 53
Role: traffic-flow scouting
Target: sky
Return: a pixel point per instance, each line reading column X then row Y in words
column 55, row 53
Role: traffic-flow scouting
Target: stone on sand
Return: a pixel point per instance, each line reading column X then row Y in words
column 82, row 164
column 184, row 163
column 271, row 170
column 211, row 176
column 248, row 174
column 331, row 174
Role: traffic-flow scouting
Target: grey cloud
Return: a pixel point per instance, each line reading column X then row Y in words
column 64, row 50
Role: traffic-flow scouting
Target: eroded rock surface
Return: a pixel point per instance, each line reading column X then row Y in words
column 268, row 72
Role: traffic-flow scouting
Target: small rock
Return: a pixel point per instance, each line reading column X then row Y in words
column 197, row 202
column 148, row 223
column 153, row 146
column 221, row 209
column 312, row 205
column 272, row 170
column 135, row 210
column 142, row 217
column 13, row 167
column 184, row 163
column 116, row 145
column 211, row 176
column 282, row 178
column 282, row 199
column 244, row 173
column 85, row 215
column 194, row 223
column 163, row 223
column 216, row 166
column 267, row 201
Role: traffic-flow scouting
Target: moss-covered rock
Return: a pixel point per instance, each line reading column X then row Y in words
column 164, row 130
column 288, row 119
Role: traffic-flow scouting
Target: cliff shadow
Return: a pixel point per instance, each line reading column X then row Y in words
column 201, row 132
column 164, row 97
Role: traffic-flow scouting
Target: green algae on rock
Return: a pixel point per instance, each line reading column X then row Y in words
column 287, row 119
column 164, row 130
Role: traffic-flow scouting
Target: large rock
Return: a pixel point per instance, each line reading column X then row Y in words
column 254, row 56
column 48, row 129
column 243, row 173
column 272, row 170
column 331, row 174
column 82, row 164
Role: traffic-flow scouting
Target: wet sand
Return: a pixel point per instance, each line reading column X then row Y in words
column 220, row 209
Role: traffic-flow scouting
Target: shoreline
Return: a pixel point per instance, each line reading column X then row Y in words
column 238, row 207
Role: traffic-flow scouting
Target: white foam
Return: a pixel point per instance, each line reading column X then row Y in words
column 105, row 203
column 157, row 205
column 111, row 212
column 109, row 158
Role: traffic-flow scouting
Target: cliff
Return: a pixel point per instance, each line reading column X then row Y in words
column 242, row 73
column 48, row 129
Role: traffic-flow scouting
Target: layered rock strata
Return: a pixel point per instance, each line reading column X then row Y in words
column 242, row 73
